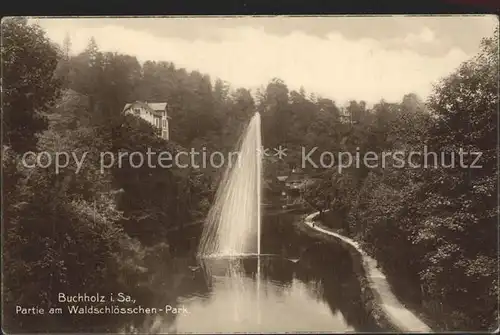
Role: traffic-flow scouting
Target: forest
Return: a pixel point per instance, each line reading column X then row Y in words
column 438, row 226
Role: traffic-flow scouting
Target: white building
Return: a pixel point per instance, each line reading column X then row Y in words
column 345, row 115
column 153, row 112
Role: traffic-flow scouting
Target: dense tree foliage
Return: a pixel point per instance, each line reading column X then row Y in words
column 28, row 82
column 436, row 225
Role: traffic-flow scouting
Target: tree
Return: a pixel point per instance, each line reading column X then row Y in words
column 29, row 86
column 412, row 103
column 276, row 114
column 59, row 225
column 441, row 221
column 460, row 222
column 63, row 69
column 66, row 46
column 221, row 91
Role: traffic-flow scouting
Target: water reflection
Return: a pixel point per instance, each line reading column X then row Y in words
column 319, row 293
column 266, row 294
column 251, row 295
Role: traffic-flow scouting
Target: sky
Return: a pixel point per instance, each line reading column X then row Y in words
column 341, row 58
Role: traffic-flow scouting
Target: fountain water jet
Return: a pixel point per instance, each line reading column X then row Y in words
column 233, row 224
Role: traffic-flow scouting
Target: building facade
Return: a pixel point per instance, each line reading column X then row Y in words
column 156, row 113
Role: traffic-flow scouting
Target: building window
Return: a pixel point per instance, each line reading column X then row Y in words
column 137, row 111
column 165, row 135
column 157, row 121
column 164, row 123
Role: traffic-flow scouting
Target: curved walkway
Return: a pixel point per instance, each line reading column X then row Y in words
column 397, row 314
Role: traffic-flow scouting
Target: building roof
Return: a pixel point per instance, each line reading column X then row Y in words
column 153, row 106
column 156, row 106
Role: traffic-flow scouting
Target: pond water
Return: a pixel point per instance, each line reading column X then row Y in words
column 299, row 285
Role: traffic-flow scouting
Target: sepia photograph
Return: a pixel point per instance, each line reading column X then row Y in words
column 256, row 174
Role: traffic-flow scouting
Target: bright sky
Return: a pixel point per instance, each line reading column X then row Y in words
column 342, row 58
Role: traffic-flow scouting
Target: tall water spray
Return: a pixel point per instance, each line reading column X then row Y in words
column 233, row 224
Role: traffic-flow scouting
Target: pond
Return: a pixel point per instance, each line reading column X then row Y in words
column 300, row 284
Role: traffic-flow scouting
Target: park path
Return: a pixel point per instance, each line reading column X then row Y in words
column 397, row 314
